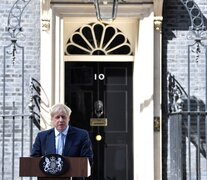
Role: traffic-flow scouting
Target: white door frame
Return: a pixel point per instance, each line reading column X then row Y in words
column 52, row 80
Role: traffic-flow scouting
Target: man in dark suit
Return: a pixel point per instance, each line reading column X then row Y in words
column 76, row 141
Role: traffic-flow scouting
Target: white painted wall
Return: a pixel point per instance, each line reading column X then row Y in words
column 143, row 102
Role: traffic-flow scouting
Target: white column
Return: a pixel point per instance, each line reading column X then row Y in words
column 52, row 64
column 58, row 60
column 157, row 104
column 158, row 8
column 46, row 64
column 144, row 102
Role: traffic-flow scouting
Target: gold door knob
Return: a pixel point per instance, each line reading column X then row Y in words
column 98, row 137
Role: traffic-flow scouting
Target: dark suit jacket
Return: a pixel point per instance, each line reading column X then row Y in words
column 77, row 144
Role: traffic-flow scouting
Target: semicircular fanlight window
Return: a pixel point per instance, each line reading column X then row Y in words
column 98, row 39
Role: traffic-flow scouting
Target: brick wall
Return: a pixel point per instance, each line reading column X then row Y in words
column 15, row 130
column 176, row 25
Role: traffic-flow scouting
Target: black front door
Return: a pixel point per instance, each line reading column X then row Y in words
column 100, row 96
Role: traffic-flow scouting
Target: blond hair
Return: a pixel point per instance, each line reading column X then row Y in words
column 60, row 108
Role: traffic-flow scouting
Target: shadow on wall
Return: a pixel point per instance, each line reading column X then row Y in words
column 187, row 132
column 38, row 102
column 189, row 139
column 194, row 124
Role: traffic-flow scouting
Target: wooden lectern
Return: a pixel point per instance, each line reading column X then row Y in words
column 78, row 167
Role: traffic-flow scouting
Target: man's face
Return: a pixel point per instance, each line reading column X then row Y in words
column 60, row 121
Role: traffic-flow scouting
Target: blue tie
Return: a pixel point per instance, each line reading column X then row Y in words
column 60, row 143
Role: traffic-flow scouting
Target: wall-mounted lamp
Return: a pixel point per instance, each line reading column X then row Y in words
column 106, row 10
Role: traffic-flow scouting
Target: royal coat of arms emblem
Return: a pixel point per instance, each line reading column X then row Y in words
column 53, row 164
